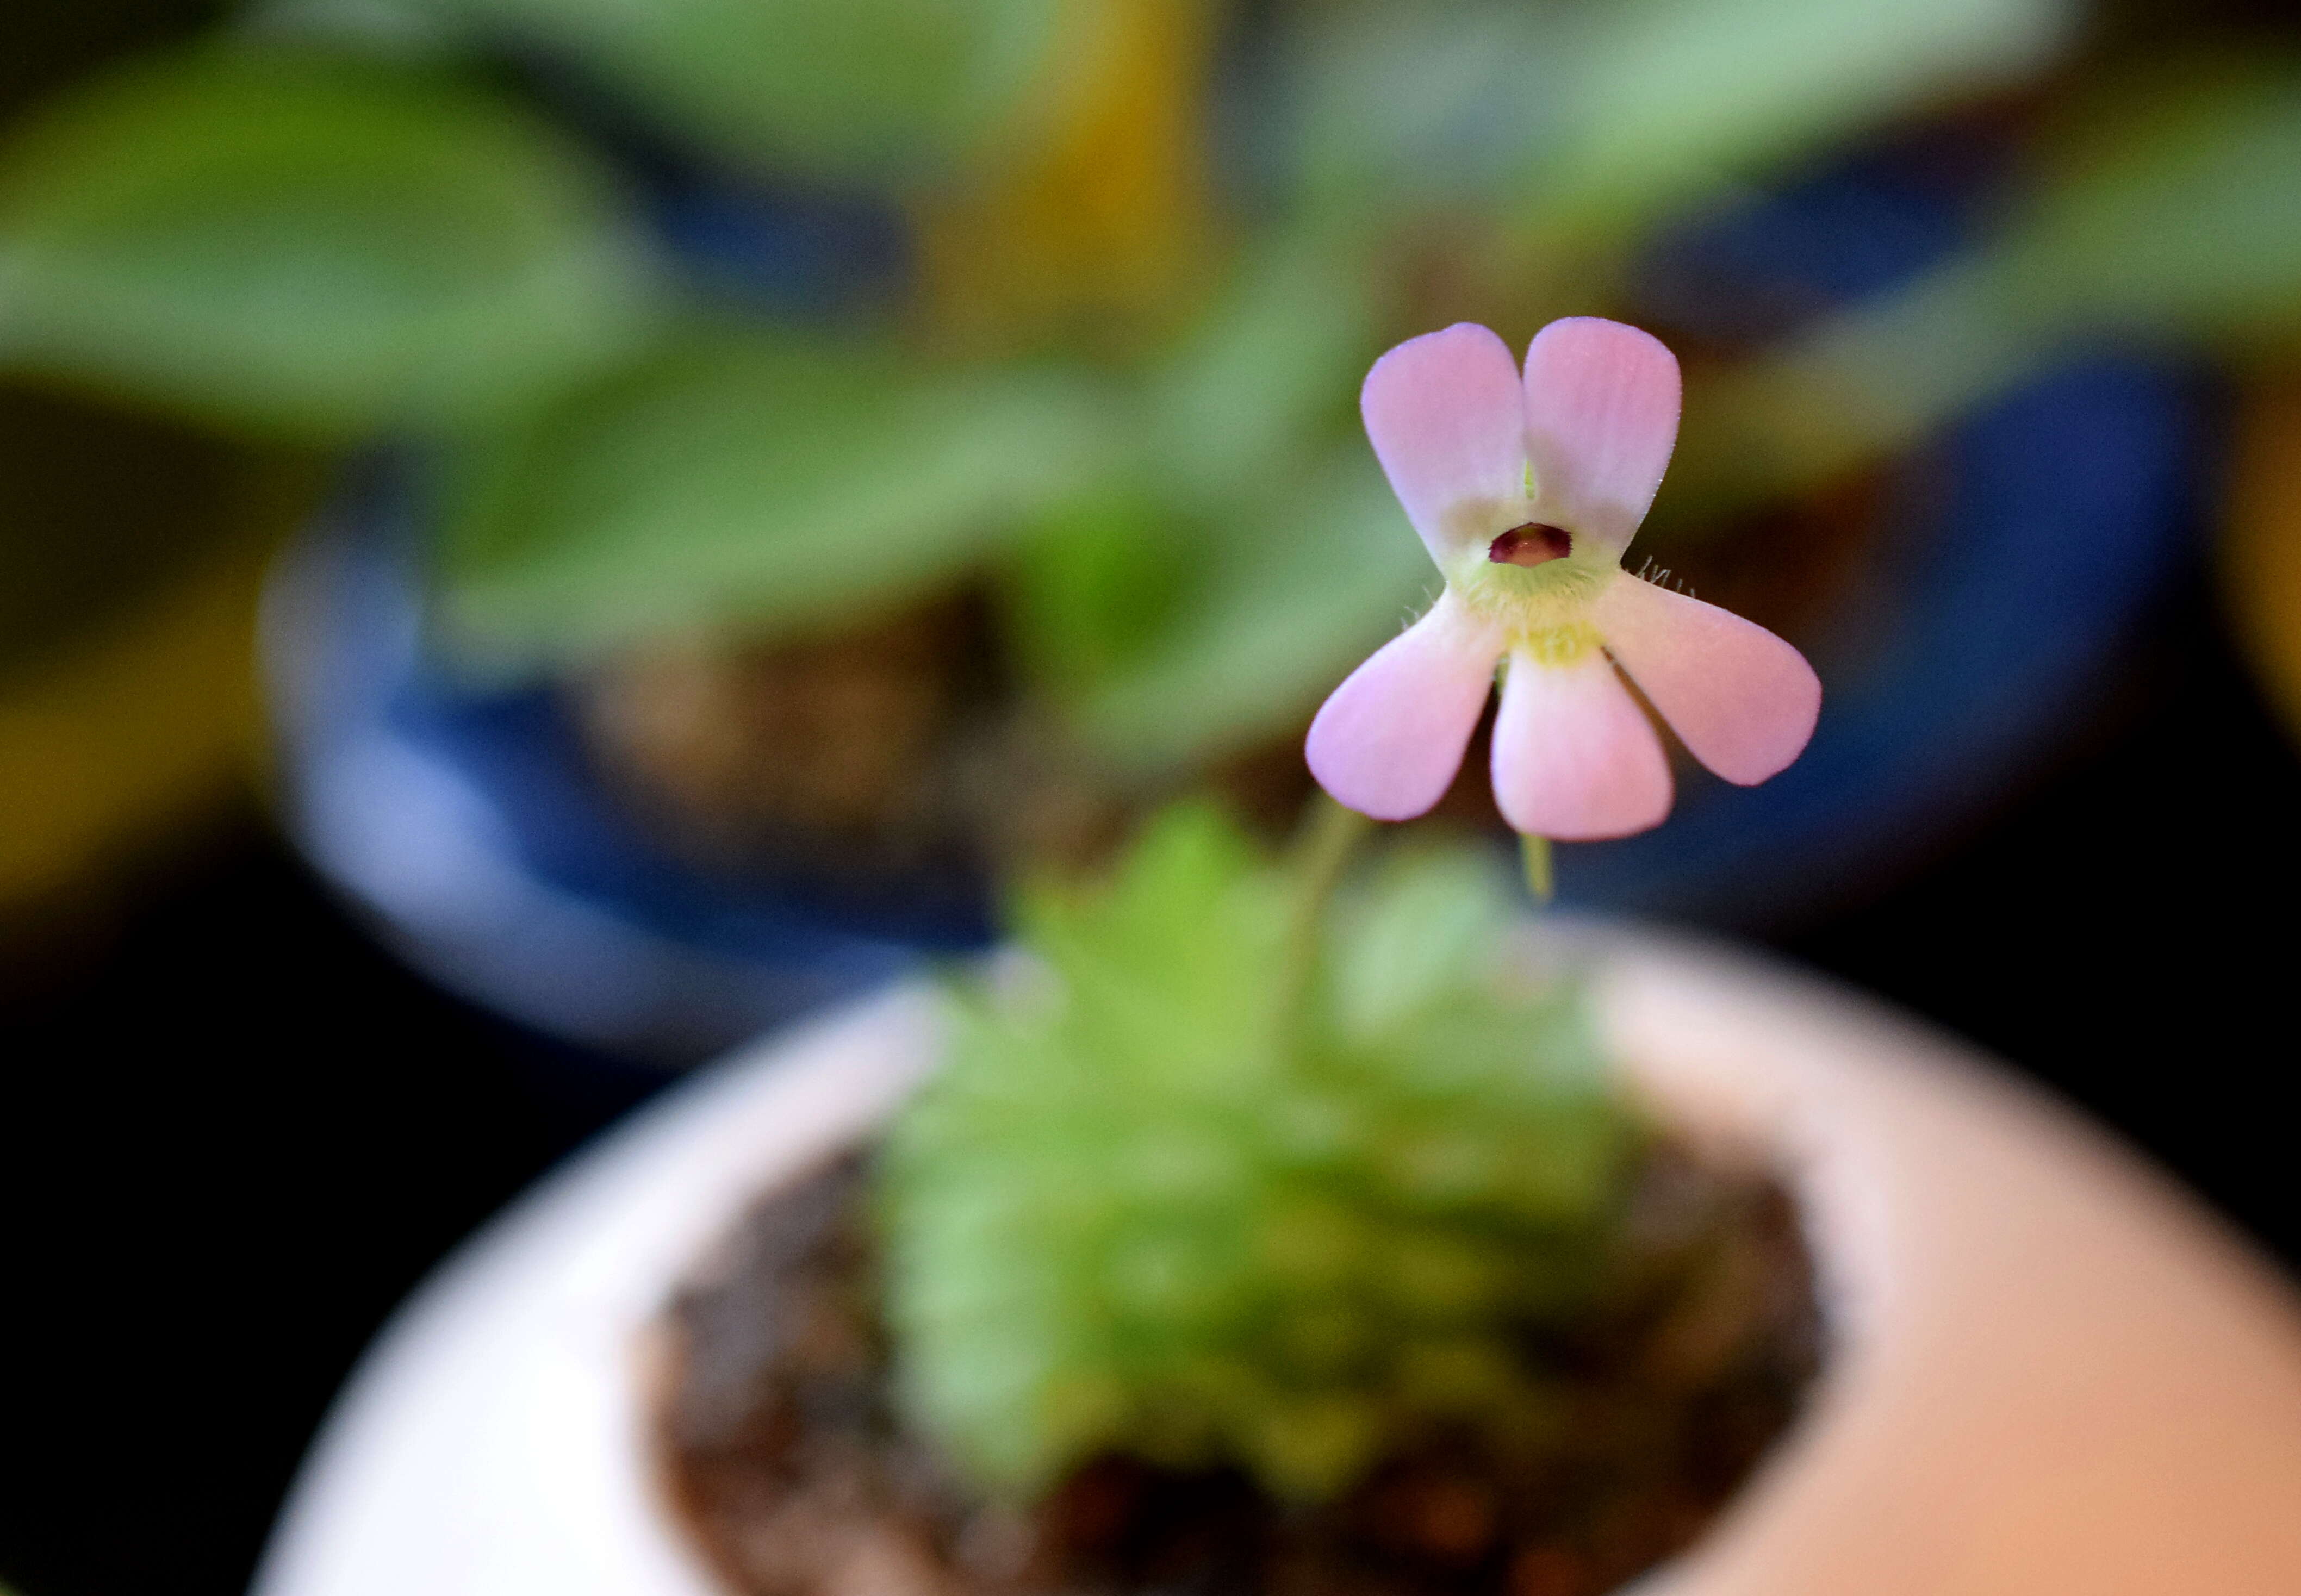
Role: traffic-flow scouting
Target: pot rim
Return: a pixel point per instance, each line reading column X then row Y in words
column 2048, row 1368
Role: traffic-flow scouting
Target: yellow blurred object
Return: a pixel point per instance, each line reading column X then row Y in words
column 2261, row 546
column 1102, row 233
column 147, row 725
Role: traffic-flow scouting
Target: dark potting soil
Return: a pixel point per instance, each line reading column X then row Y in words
column 893, row 745
column 781, row 1448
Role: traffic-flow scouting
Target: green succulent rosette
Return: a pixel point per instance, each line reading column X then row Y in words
column 1227, row 1173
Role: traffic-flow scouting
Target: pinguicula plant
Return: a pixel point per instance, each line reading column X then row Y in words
column 1237, row 1175
column 1277, row 1168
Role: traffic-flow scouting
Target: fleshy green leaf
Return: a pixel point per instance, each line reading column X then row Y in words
column 748, row 481
column 839, row 89
column 313, row 247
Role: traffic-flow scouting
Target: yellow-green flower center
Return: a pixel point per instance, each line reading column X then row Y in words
column 1542, row 608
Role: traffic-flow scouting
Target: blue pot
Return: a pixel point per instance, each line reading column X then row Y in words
column 470, row 831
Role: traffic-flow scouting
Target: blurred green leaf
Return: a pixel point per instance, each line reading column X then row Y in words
column 312, row 247
column 1400, row 100
column 2177, row 206
column 1090, row 587
column 1193, row 1006
column 1600, row 114
column 840, row 89
column 392, row 27
column 1852, row 387
column 1190, row 624
column 1296, row 591
column 747, row 481
column 1277, row 360
column 1672, row 96
column 2171, row 211
column 1402, row 942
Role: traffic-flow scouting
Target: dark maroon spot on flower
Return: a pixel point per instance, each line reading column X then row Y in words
column 1531, row 545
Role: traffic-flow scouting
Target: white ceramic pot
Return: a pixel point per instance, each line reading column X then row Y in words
column 2049, row 1371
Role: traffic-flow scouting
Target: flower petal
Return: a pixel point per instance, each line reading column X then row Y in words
column 1602, row 404
column 1742, row 700
column 1388, row 741
column 1445, row 415
column 1575, row 757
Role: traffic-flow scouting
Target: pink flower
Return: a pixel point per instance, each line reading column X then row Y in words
column 1527, row 494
